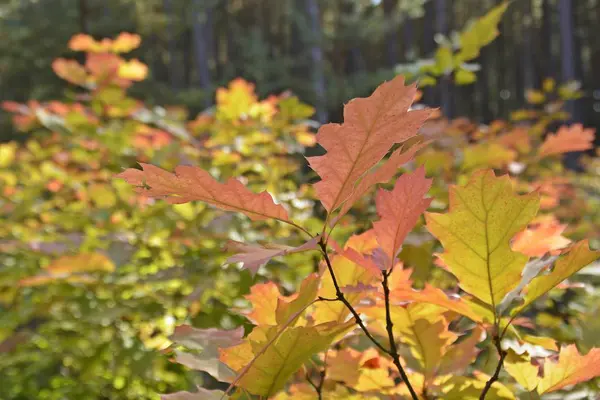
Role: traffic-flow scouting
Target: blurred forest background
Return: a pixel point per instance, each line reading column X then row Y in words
column 324, row 51
column 94, row 276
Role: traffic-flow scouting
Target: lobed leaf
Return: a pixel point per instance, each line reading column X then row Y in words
column 577, row 258
column 399, row 211
column 571, row 368
column 192, row 183
column 484, row 215
column 567, row 139
column 371, row 127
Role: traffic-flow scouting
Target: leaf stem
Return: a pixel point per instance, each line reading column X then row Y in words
column 340, row 297
column 389, row 325
column 494, row 378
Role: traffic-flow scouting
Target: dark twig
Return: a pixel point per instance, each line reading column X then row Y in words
column 340, row 296
column 318, row 388
column 389, row 325
column 494, row 377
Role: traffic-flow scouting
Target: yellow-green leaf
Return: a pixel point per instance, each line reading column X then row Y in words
column 519, row 366
column 480, row 33
column 484, row 215
column 577, row 258
column 267, row 361
column 464, row 77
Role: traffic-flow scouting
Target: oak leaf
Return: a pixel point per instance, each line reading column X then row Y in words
column 270, row 307
column 519, row 366
column 484, row 215
column 203, row 349
column 567, row 139
column 381, row 174
column 399, row 210
column 266, row 360
column 571, row 368
column 578, row 257
column 192, row 183
column 540, row 238
column 254, row 256
column 371, row 127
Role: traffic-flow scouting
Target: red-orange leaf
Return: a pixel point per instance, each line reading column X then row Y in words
column 567, row 139
column 400, row 210
column 540, row 238
column 371, row 127
column 193, row 183
column 381, row 174
column 571, row 368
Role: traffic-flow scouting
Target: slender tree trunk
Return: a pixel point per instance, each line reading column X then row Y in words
column 391, row 32
column 546, row 40
column 83, row 16
column 201, row 46
column 316, row 55
column 567, row 47
column 408, row 37
column 429, row 94
column 173, row 70
column 527, row 24
column 441, row 25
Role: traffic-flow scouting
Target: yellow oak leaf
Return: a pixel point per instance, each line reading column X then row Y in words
column 519, row 366
column 484, row 215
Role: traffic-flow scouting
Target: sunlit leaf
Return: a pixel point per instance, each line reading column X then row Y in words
column 476, row 233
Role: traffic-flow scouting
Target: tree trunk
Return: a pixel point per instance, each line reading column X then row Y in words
column 200, row 26
column 83, row 16
column 441, row 26
column 173, row 69
column 316, row 55
column 391, row 32
column 567, row 47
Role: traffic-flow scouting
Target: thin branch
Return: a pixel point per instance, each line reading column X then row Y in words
column 389, row 327
column 340, row 296
column 494, row 378
column 315, row 386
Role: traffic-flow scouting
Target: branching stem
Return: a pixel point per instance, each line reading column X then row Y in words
column 340, row 297
column 494, row 378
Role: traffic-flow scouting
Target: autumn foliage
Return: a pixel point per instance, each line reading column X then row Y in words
column 362, row 288
column 423, row 261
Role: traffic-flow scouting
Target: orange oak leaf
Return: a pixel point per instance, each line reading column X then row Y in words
column 253, row 256
column 381, row 174
column 399, row 211
column 371, row 127
column 70, row 70
column 540, row 238
column 571, row 368
column 264, row 297
column 517, row 139
column 432, row 295
column 567, row 139
column 192, row 183
column 270, row 307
